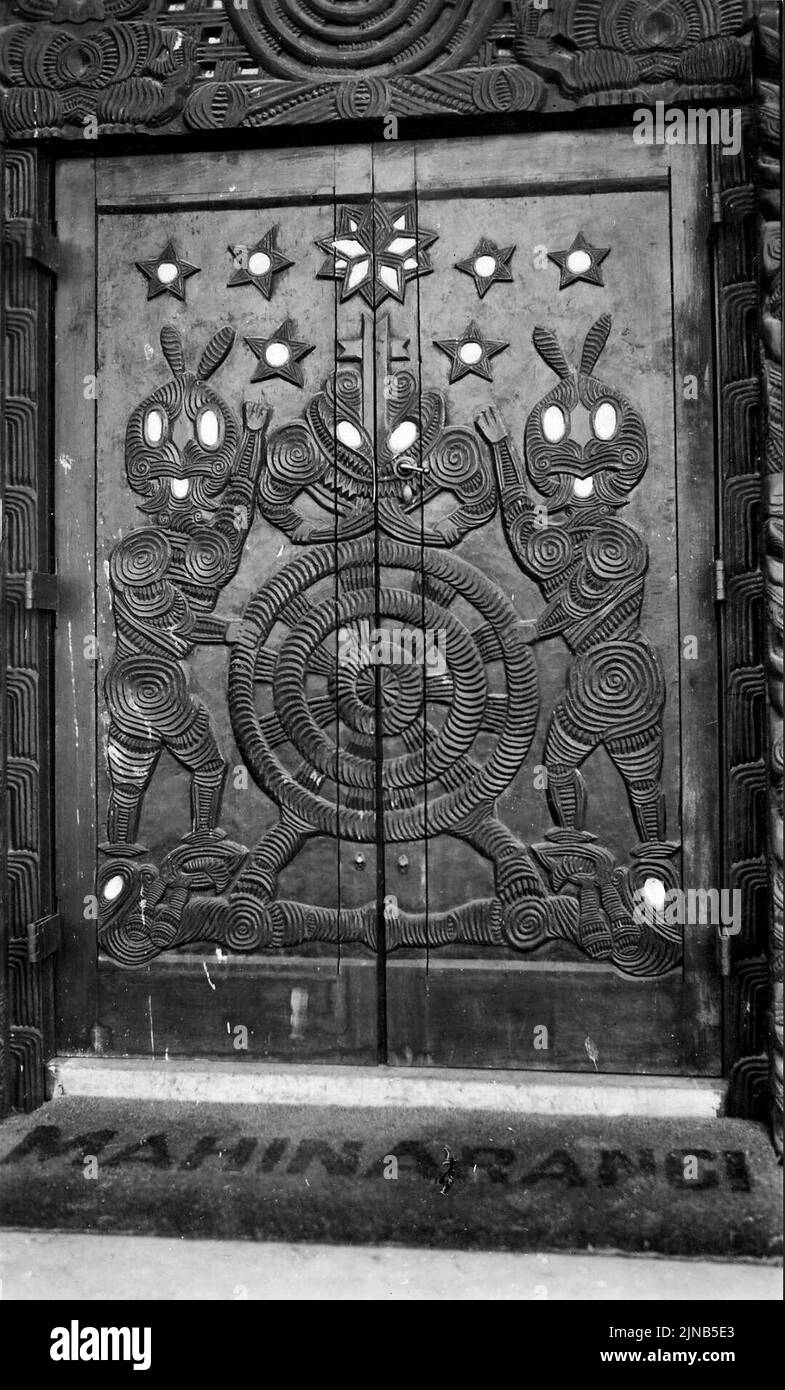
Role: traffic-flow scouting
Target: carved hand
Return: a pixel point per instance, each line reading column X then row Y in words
column 491, row 425
column 255, row 415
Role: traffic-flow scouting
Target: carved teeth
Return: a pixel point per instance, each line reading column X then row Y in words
column 583, row 487
column 180, row 487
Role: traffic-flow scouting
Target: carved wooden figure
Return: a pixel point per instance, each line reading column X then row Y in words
column 591, row 568
column 196, row 471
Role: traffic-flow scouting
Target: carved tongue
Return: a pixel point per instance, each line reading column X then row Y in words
column 180, row 488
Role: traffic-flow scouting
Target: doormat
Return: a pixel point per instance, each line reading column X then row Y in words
column 475, row 1181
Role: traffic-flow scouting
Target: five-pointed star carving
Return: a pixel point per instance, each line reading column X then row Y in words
column 471, row 353
column 259, row 264
column 487, row 264
column 376, row 252
column 167, row 273
column 581, row 261
column 280, row 354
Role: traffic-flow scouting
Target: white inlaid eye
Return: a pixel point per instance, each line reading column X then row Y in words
column 276, row 354
column 167, row 272
column 349, row 434
column 654, row 894
column 606, row 420
column 470, row 353
column 485, row 265
column 208, row 428
column 154, row 426
column 403, row 437
column 114, row 887
column 259, row 263
column 180, row 487
column 554, row 425
column 578, row 262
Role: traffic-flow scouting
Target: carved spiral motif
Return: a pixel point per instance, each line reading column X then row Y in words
column 291, row 38
column 206, row 558
column 143, row 557
column 463, row 689
column 142, row 693
column 616, row 688
column 548, row 552
column 526, row 924
column 615, row 552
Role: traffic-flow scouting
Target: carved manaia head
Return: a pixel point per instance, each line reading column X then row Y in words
column 609, row 464
column 183, row 438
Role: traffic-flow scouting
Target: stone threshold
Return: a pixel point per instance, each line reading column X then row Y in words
column 351, row 1087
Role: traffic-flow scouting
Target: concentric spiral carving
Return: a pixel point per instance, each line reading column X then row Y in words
column 310, row 630
column 291, row 38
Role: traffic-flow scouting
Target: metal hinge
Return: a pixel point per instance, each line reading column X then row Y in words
column 38, row 243
column 43, row 938
column 42, row 591
column 717, row 207
column 719, row 581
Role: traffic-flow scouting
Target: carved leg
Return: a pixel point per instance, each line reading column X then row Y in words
column 639, row 761
column 566, row 747
column 131, row 765
column 196, row 748
column 515, row 871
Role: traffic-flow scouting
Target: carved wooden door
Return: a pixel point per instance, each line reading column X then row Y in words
column 397, row 512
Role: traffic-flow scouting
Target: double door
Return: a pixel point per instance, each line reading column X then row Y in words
column 385, row 654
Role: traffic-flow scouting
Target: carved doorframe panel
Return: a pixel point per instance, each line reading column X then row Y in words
column 515, row 66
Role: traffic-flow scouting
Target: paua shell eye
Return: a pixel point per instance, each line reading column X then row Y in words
column 154, row 426
column 606, row 420
column 554, row 424
column 208, row 428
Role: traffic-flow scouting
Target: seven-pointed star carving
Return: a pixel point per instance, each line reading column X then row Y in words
column 280, row 354
column 258, row 264
column 167, row 273
column 376, row 252
column 487, row 264
column 581, row 261
column 471, row 353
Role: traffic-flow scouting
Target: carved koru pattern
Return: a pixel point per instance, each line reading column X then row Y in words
column 165, row 580
column 375, row 251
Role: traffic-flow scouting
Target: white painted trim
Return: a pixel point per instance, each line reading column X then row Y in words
column 514, row 1092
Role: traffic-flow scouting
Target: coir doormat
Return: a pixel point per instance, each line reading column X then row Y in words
column 471, row 1181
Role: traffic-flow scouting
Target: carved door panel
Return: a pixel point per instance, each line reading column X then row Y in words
column 568, row 612
column 234, row 868
column 398, row 519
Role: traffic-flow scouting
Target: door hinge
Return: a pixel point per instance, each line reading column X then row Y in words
column 43, row 938
column 42, row 591
column 38, row 243
column 717, row 206
column 719, row 581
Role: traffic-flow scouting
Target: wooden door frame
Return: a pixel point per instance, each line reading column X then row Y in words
column 507, row 65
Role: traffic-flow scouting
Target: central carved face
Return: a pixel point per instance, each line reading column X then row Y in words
column 182, row 439
column 609, row 463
